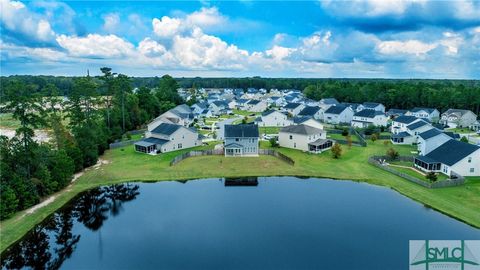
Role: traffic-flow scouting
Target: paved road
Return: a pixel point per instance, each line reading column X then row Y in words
column 221, row 125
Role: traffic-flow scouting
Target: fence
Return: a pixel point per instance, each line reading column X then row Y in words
column 457, row 181
column 122, row 143
column 220, row 152
column 361, row 140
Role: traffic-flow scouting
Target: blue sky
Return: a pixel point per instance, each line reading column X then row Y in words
column 361, row 38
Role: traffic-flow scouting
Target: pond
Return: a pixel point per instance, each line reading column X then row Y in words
column 251, row 223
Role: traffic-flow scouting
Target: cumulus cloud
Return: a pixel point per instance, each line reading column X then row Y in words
column 95, row 46
column 405, row 47
column 166, row 27
column 111, row 22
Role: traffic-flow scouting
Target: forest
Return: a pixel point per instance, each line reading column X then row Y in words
column 96, row 112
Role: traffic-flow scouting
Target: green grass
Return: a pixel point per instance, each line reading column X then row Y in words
column 336, row 136
column 461, row 130
column 7, row 121
column 440, row 176
column 126, row 165
column 244, row 113
column 269, row 130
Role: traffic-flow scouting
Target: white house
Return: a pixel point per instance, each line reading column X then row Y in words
column 305, row 138
column 168, row 137
column 293, row 108
column 338, row 114
column 418, row 127
column 365, row 118
column 430, row 114
column 307, row 121
column 371, row 106
column 431, row 139
column 458, row 118
column 400, row 123
column 219, row 107
column 451, row 157
column 273, row 118
column 181, row 115
column 255, row 105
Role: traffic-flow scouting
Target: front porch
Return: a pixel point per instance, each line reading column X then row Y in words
column 400, row 138
column 233, row 150
column 427, row 165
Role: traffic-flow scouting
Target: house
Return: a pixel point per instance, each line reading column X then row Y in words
column 458, row 118
column 326, row 103
column 199, row 107
column 394, row 113
column 354, row 106
column 273, row 118
column 400, row 123
column 408, row 134
column 372, row 106
column 309, row 121
column 475, row 125
column 311, row 111
column 452, row 157
column 430, row 114
column 293, row 108
column 418, row 127
column 338, row 114
column 365, row 118
column 219, row 107
column 241, row 140
column 403, row 138
column 181, row 115
column 168, row 137
column 305, row 138
column 275, row 101
column 430, row 140
column 256, row 105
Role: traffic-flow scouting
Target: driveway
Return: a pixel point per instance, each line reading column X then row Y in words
column 221, row 125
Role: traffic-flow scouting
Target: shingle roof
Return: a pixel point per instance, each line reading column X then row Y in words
column 401, row 135
column 405, row 119
column 165, row 128
column 417, row 124
column 301, row 119
column 417, row 109
column 368, row 113
column 309, row 110
column 457, row 112
column 430, row 133
column 329, row 101
column 371, row 104
column 452, row 152
column 150, row 141
column 253, row 102
column 291, row 105
column 336, row 109
column 241, row 131
column 396, row 111
column 301, row 129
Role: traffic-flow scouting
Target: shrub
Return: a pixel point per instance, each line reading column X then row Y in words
column 392, row 153
column 374, row 137
column 273, row 142
column 345, row 132
column 431, row 176
column 336, row 151
column 386, row 142
column 464, row 139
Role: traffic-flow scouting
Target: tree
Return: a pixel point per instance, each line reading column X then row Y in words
column 336, row 151
column 464, row 139
column 9, row 202
column 431, row 176
column 345, row 132
column 374, row 137
column 392, row 154
column 122, row 87
column 108, row 91
column 349, row 141
column 273, row 142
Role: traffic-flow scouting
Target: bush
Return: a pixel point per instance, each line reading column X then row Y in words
column 273, row 142
column 336, row 151
column 369, row 130
column 431, row 176
column 392, row 154
column 374, row 137
column 464, row 139
column 345, row 132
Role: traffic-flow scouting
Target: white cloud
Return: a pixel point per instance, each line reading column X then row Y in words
column 205, row 18
column 279, row 53
column 414, row 47
column 166, row 27
column 149, row 47
column 94, row 45
column 111, row 22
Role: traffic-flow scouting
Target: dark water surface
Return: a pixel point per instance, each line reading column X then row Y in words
column 275, row 223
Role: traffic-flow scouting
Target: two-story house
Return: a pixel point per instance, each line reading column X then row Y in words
column 241, row 140
column 430, row 114
column 338, row 114
column 311, row 111
column 458, row 118
column 371, row 106
column 168, row 137
column 365, row 118
column 274, row 118
column 293, row 108
column 304, row 138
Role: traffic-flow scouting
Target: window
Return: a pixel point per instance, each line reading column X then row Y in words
column 472, row 170
column 295, row 145
column 470, row 160
column 291, row 137
column 179, row 146
column 236, row 139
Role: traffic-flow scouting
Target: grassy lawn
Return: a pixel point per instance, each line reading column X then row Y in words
column 244, row 113
column 250, row 119
column 416, row 174
column 269, row 130
column 460, row 130
column 7, row 121
column 127, row 165
column 336, row 136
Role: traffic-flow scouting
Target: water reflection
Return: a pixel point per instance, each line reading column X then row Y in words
column 49, row 244
column 242, row 181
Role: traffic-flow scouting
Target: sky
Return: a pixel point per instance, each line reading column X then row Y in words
column 319, row 39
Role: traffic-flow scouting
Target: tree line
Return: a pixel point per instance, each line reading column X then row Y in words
column 96, row 112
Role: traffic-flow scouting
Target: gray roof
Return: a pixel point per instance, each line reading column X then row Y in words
column 301, row 119
column 405, row 119
column 150, row 141
column 396, row 111
column 401, row 135
column 241, row 131
column 165, row 128
column 320, row 142
column 291, row 105
column 417, row 109
column 253, row 102
column 265, row 113
column 371, row 104
column 457, row 112
column 417, row 124
column 430, row 133
column 451, row 152
column 336, row 109
column 368, row 113
column 329, row 101
column 309, row 110
column 301, row 129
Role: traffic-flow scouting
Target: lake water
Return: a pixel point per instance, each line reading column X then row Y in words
column 264, row 223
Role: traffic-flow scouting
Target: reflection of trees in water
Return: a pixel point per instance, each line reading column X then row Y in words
column 92, row 208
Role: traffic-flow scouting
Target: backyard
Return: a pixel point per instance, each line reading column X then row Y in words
column 124, row 164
